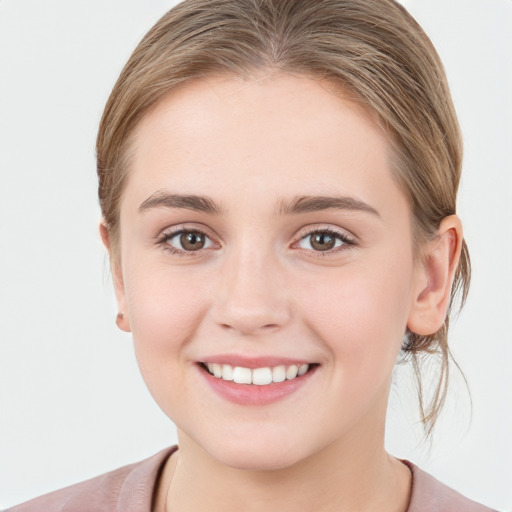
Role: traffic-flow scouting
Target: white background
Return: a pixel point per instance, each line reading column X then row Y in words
column 72, row 403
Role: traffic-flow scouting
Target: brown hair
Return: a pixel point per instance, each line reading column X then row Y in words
column 373, row 49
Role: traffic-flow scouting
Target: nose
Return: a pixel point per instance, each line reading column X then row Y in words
column 251, row 298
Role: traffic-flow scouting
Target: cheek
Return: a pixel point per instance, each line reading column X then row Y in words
column 361, row 313
column 164, row 308
column 165, row 311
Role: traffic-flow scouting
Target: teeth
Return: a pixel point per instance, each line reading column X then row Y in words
column 242, row 375
column 291, row 371
column 227, row 372
column 279, row 374
column 217, row 370
column 303, row 368
column 258, row 376
column 262, row 376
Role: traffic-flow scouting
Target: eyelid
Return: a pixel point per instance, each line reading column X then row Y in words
column 193, row 226
column 348, row 239
column 173, row 231
column 322, row 228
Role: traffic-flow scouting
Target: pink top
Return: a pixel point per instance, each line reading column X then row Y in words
column 131, row 488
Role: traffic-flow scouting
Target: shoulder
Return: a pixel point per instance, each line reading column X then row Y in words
column 125, row 489
column 430, row 495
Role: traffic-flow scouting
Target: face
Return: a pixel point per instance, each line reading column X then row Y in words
column 263, row 234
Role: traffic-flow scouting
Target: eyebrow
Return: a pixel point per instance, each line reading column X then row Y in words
column 297, row 205
column 188, row 202
column 306, row 204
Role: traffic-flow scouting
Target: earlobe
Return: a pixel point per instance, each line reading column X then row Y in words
column 434, row 278
column 122, row 320
column 104, row 234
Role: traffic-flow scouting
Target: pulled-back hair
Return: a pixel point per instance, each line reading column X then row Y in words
column 372, row 49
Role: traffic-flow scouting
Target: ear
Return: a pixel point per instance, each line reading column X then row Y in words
column 122, row 319
column 434, row 278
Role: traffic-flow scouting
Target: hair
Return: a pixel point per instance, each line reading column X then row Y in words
column 373, row 50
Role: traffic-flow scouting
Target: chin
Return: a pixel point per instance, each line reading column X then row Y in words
column 262, row 455
column 256, row 460
column 267, row 445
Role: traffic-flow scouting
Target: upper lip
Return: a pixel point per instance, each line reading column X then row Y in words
column 254, row 362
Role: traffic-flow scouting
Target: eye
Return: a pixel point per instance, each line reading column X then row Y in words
column 324, row 240
column 185, row 240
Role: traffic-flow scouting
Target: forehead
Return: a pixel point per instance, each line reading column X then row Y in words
column 279, row 102
column 276, row 133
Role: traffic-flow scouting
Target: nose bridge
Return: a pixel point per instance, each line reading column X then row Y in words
column 251, row 296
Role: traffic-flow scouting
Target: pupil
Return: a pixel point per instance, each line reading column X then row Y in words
column 192, row 241
column 322, row 241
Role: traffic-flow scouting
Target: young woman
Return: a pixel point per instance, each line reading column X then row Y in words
column 278, row 182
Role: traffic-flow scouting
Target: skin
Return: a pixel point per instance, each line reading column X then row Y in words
column 258, row 287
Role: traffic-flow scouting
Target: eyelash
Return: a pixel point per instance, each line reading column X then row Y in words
column 168, row 235
column 346, row 240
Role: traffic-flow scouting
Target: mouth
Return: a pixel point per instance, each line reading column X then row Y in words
column 256, row 380
column 263, row 376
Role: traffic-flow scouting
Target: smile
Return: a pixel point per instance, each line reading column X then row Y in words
column 257, row 376
column 255, row 381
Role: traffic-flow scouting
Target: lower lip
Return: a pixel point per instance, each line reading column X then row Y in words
column 252, row 394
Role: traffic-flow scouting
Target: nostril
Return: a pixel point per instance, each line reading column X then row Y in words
column 250, row 313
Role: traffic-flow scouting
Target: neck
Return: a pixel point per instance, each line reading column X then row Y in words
column 355, row 474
